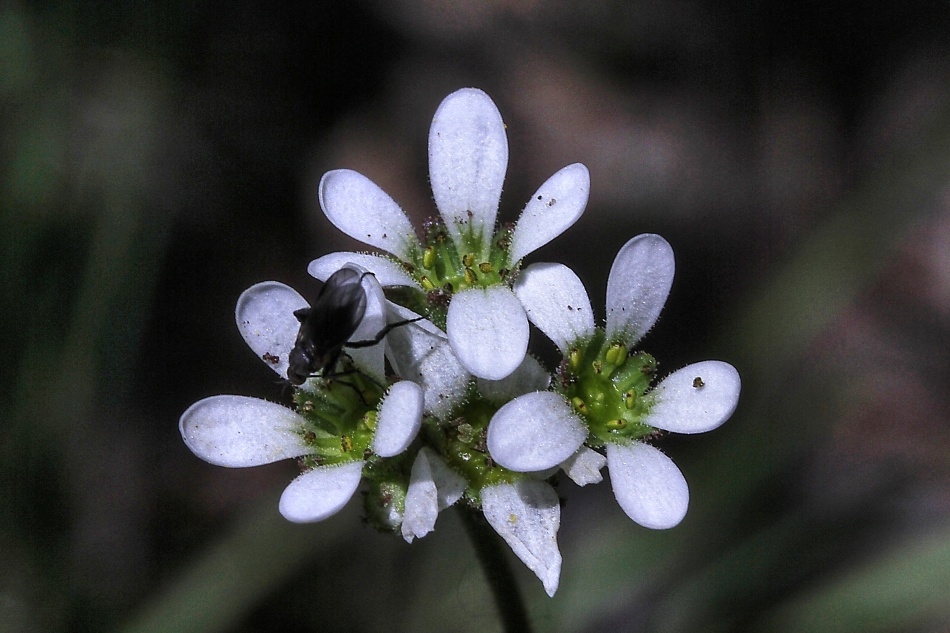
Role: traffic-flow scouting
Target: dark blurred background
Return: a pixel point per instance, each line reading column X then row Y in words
column 158, row 158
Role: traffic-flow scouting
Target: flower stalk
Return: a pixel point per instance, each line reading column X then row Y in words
column 498, row 572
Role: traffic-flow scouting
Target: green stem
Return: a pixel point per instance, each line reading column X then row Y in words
column 491, row 554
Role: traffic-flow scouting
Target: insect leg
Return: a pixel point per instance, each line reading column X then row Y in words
column 381, row 334
column 329, row 377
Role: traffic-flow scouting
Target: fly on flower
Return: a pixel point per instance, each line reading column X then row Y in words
column 325, row 327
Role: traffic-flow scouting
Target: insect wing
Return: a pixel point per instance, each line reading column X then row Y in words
column 369, row 358
column 339, row 308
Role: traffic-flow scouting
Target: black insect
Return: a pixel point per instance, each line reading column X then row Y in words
column 327, row 325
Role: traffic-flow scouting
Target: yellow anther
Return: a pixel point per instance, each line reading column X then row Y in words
column 486, row 267
column 369, row 419
column 468, row 260
column 428, row 258
column 616, row 425
column 616, row 354
column 574, row 356
column 426, row 284
column 630, row 399
column 470, row 276
column 579, row 404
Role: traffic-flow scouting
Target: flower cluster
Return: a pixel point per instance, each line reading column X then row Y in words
column 464, row 414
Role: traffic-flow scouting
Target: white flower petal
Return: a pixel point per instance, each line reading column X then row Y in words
column 535, row 431
column 647, row 484
column 468, row 156
column 433, row 486
column 488, row 331
column 359, row 208
column 422, row 501
column 530, row 376
column 236, row 431
column 449, row 484
column 320, row 493
column 556, row 301
column 424, row 356
column 370, row 359
column 637, row 287
column 527, row 514
column 696, row 398
column 401, row 313
column 265, row 318
column 388, row 272
column 584, row 466
column 399, row 419
column 551, row 210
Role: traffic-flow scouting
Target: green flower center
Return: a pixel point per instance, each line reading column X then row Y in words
column 462, row 443
column 341, row 417
column 443, row 268
column 608, row 387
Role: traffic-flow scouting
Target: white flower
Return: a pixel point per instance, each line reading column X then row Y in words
column 540, row 430
column 237, row 431
column 527, row 515
column 420, row 352
column 433, row 487
column 584, row 466
column 530, row 376
column 468, row 156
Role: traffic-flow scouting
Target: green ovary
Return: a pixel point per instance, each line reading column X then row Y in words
column 608, row 387
column 462, row 443
column 341, row 418
column 442, row 270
